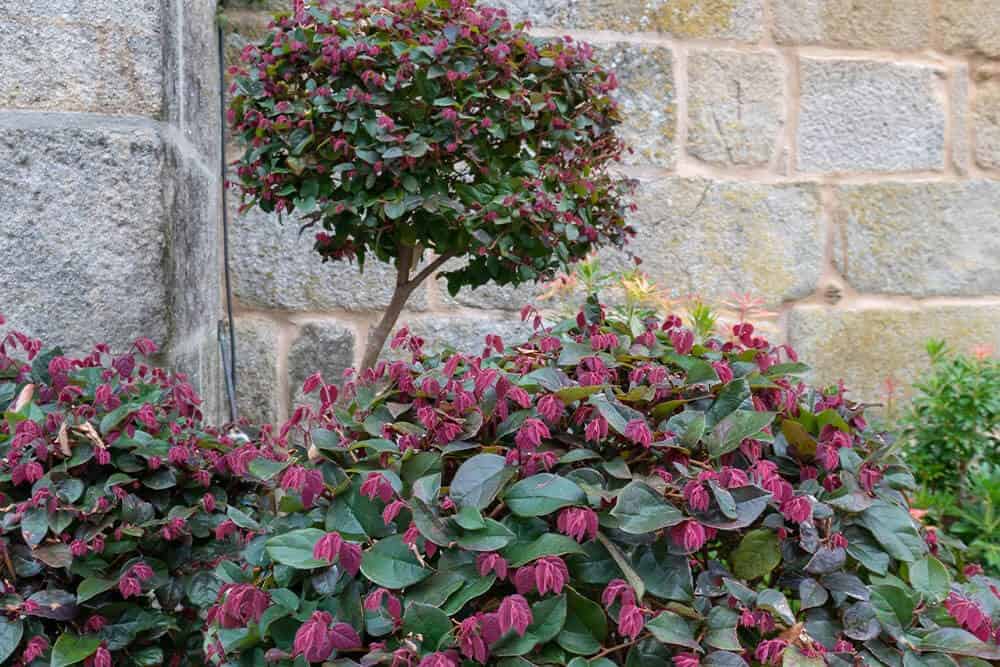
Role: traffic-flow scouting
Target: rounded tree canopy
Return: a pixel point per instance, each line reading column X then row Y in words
column 432, row 125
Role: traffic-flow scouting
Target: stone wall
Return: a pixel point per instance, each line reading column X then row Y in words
column 109, row 136
column 839, row 159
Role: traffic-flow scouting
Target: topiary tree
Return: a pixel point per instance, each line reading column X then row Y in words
column 116, row 502
column 609, row 492
column 430, row 130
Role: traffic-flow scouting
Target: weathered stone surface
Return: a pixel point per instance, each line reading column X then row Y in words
column 647, row 99
column 464, row 334
column 258, row 386
column 741, row 20
column 986, row 119
column 490, row 296
column 52, row 64
column 201, row 122
column 893, row 24
column 865, row 346
column 922, row 239
column 735, row 106
column 717, row 238
column 327, row 347
column 859, row 115
column 81, row 259
column 273, row 266
column 969, row 25
column 959, row 89
column 198, row 357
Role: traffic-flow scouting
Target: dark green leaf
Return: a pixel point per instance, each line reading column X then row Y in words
column 391, row 564
column 640, row 509
column 70, row 649
column 479, row 479
column 758, row 553
column 295, row 549
column 543, row 494
column 671, row 628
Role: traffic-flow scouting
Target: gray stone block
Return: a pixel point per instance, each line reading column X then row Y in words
column 327, row 347
column 54, row 65
column 82, row 257
column 922, row 239
column 273, row 267
column 719, row 238
column 866, row 346
column 194, row 249
column 869, row 116
column 735, row 106
column 201, row 122
column 986, row 119
column 647, row 100
column 878, row 24
column 740, row 20
column 198, row 357
column 258, row 385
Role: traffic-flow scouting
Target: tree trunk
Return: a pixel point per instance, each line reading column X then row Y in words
column 404, row 288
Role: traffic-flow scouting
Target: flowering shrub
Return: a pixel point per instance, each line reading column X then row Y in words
column 607, row 493
column 405, row 127
column 113, row 509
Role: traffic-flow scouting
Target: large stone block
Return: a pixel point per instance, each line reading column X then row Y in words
column 647, row 99
column 714, row 238
column 986, row 119
column 735, row 106
column 866, row 346
column 859, row 115
column 969, row 26
column 258, row 385
column 741, row 20
column 921, row 239
column 878, row 24
column 327, row 347
column 274, row 267
column 83, row 241
column 81, row 63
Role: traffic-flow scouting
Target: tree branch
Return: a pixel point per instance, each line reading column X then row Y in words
column 432, row 267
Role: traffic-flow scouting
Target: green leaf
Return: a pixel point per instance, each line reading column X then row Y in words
column 758, row 553
column 930, row 578
column 549, row 544
column 242, row 519
column 671, row 628
column 70, row 649
column 492, row 537
column 666, row 575
column 92, row 586
column 863, row 548
column 34, row 525
column 295, row 549
column 391, row 564
column 892, row 526
column 586, row 625
column 640, row 509
column 793, row 657
column 478, row 480
column 266, row 468
column 572, row 394
column 729, row 399
column 721, row 629
column 543, row 494
column 426, row 621
column 893, row 607
column 631, row 576
column 958, row 642
column 775, row 602
column 430, row 526
column 734, row 428
column 10, row 636
column 470, row 518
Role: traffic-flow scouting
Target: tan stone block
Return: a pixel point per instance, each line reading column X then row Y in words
column 921, row 239
column 969, row 26
column 735, row 106
column 866, row 346
column 874, row 24
column 986, row 119
column 719, row 238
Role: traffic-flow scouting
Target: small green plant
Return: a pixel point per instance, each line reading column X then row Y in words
column 954, row 420
column 977, row 517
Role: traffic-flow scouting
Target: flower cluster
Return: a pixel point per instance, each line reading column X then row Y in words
column 112, row 496
column 606, row 492
column 437, row 125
